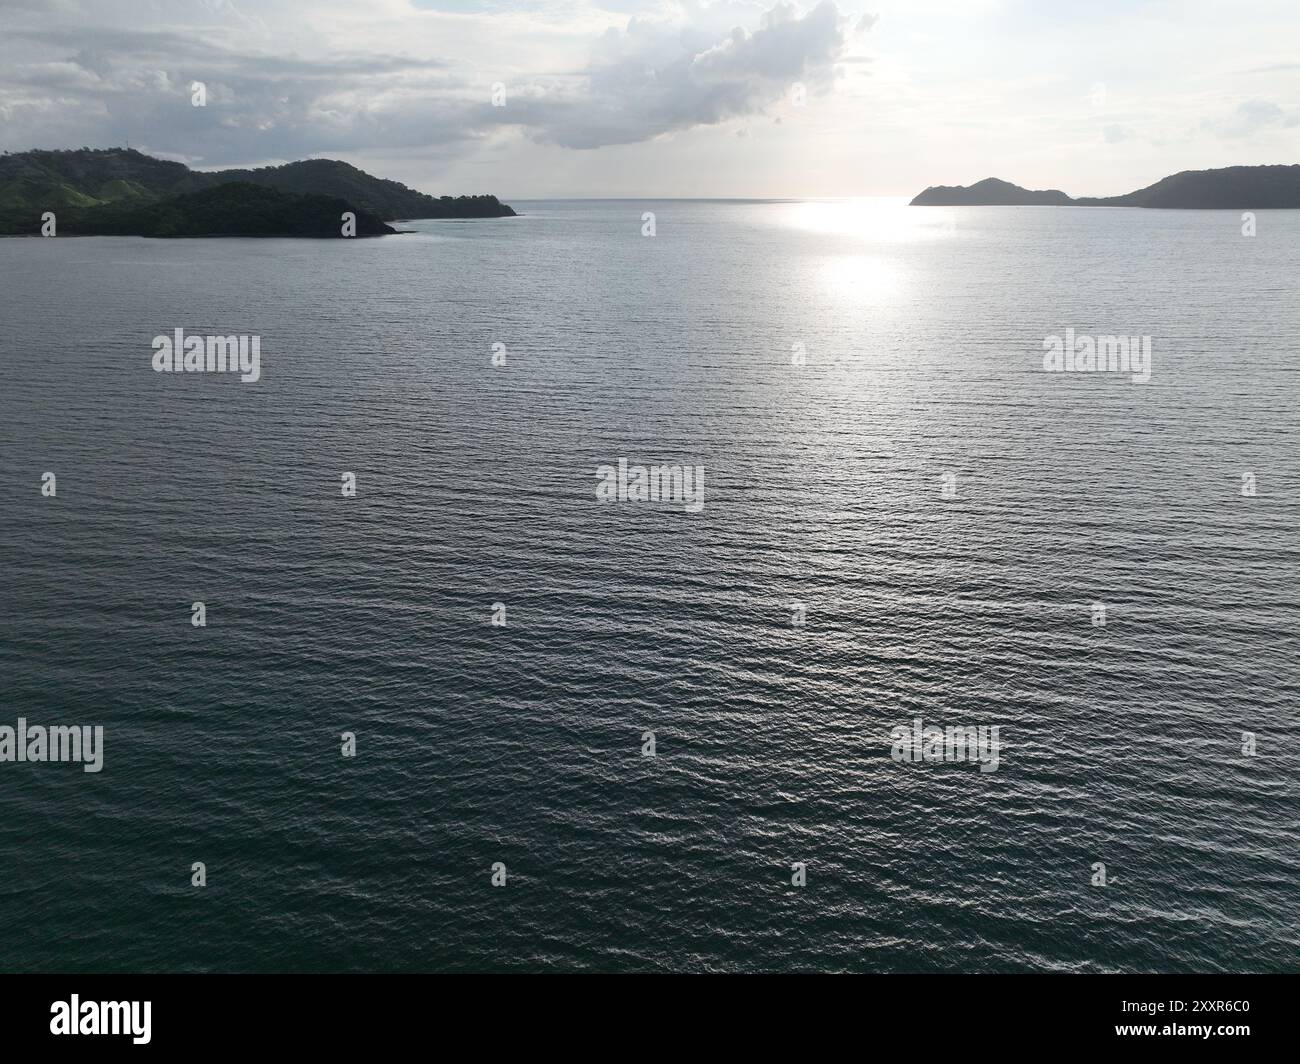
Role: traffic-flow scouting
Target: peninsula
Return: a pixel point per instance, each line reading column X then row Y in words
column 123, row 192
column 1230, row 188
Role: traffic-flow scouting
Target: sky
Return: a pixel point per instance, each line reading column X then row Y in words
column 660, row 98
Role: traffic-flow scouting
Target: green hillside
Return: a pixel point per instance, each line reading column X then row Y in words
column 388, row 199
column 125, row 191
column 229, row 209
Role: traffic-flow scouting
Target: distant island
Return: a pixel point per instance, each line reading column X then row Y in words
column 1231, row 188
column 123, row 192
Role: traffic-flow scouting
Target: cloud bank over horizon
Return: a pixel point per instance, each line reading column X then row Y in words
column 640, row 97
column 653, row 77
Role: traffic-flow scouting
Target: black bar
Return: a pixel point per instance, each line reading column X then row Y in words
column 340, row 1013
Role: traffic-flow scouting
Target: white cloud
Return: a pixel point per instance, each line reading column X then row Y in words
column 626, row 97
column 1250, row 117
column 701, row 66
column 662, row 77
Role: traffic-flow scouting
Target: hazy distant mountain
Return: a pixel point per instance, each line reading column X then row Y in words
column 88, row 182
column 1230, row 188
column 991, row 192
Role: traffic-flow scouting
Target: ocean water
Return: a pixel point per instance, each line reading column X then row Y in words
column 922, row 336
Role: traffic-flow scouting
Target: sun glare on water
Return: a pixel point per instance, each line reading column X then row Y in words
column 875, row 221
column 861, row 259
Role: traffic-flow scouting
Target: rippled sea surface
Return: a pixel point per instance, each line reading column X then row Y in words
column 923, row 331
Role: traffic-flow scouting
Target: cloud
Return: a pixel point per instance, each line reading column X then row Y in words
column 709, row 64
column 661, row 77
column 106, row 86
column 1251, row 117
